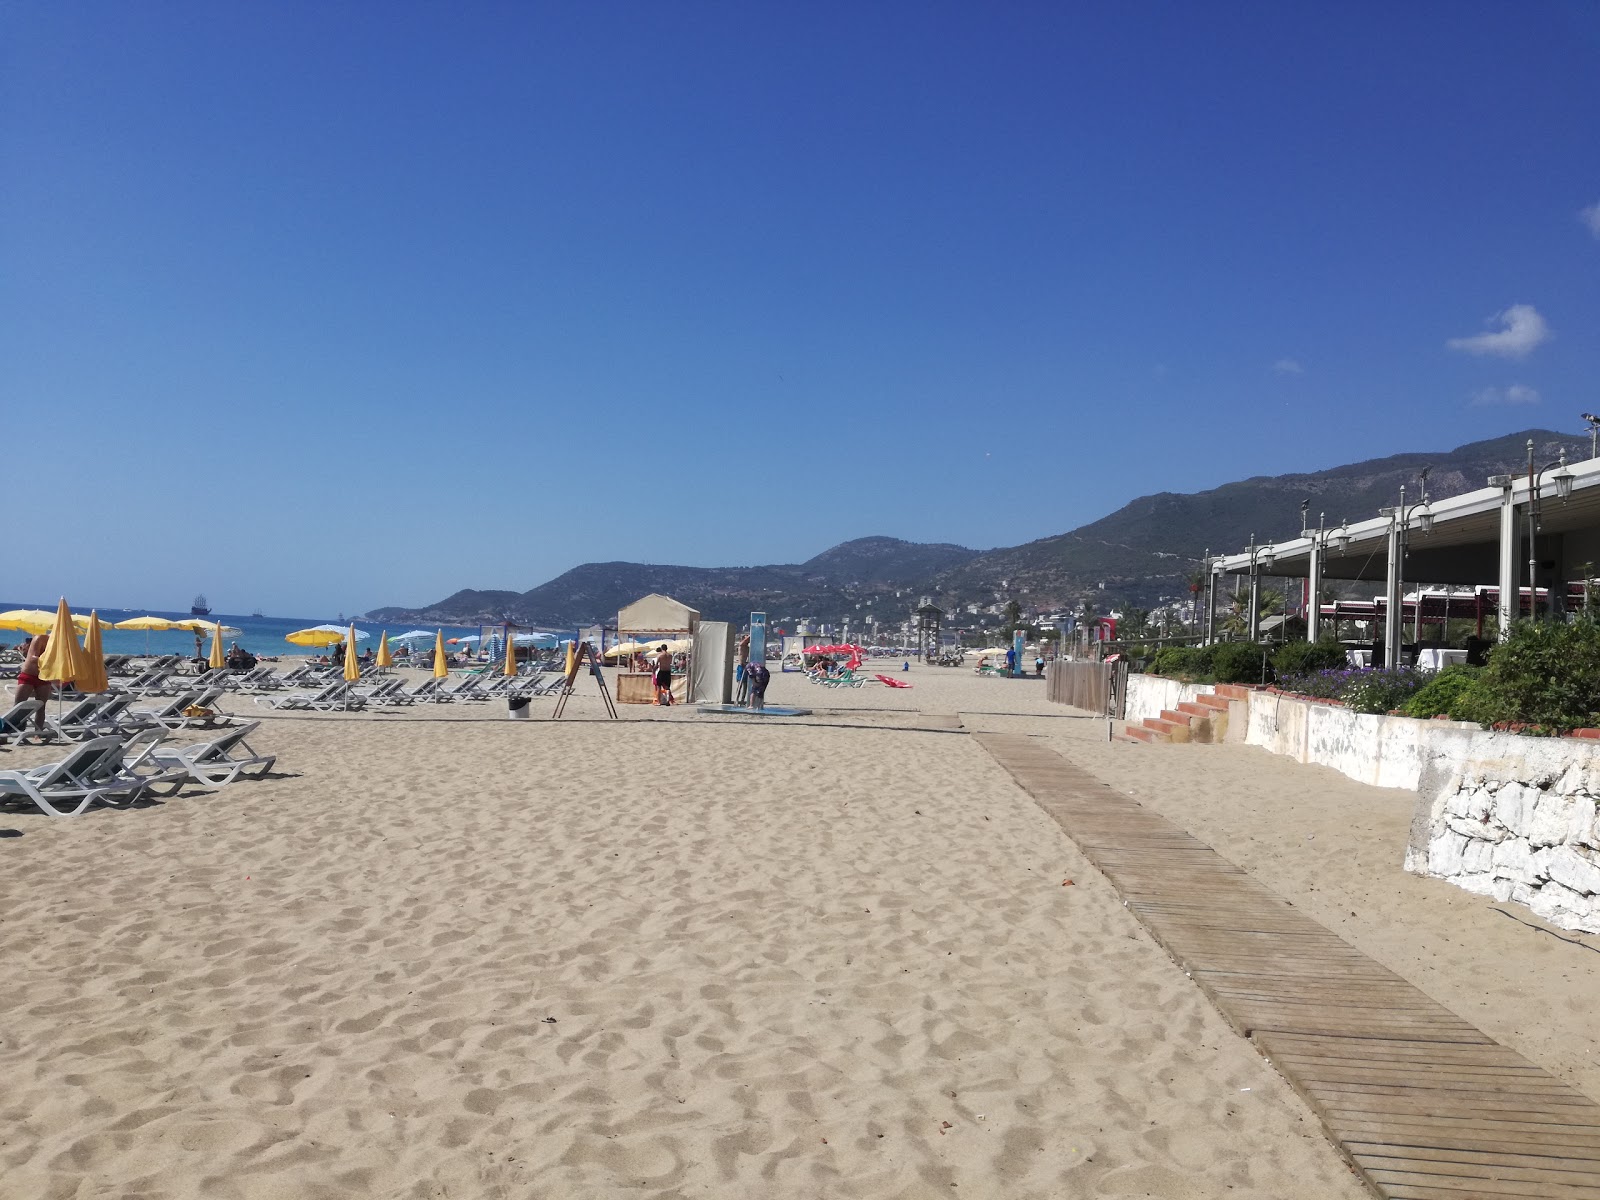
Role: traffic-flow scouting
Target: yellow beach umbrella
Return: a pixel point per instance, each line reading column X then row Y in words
column 93, row 678
column 147, row 623
column 572, row 659
column 314, row 637
column 511, row 653
column 441, row 667
column 385, row 659
column 217, row 659
column 63, row 657
column 352, row 664
column 35, row 620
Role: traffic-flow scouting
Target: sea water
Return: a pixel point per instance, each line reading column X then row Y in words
column 259, row 635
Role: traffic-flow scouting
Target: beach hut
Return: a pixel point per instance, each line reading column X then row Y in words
column 652, row 620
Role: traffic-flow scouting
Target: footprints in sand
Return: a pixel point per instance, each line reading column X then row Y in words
column 792, row 985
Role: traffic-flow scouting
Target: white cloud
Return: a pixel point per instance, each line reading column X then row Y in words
column 1591, row 217
column 1521, row 330
column 1287, row 366
column 1517, row 393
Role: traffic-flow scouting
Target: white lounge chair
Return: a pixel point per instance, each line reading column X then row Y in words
column 17, row 721
column 93, row 771
column 335, row 695
column 217, row 762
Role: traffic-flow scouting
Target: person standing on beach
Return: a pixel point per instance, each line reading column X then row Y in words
column 664, row 676
column 29, row 685
column 741, row 670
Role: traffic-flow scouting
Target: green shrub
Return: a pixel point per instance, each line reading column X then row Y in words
column 1237, row 662
column 1546, row 674
column 1440, row 694
column 1177, row 662
column 1305, row 658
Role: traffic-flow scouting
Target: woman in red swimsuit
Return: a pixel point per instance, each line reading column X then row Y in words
column 29, row 685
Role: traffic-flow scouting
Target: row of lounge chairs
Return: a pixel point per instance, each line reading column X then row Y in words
column 102, row 713
column 118, row 770
column 346, row 696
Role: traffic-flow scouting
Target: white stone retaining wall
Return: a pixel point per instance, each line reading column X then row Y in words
column 1516, row 818
column 1382, row 751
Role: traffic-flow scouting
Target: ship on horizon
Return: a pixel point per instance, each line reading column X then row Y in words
column 200, row 608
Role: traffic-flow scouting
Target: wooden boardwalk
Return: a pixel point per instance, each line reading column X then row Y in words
column 1425, row 1105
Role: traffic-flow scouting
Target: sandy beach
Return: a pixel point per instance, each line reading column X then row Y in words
column 444, row 954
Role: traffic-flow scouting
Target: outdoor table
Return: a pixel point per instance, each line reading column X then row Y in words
column 1434, row 660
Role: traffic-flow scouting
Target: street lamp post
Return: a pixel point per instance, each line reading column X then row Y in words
column 1321, row 537
column 1563, row 481
column 1259, row 556
column 1400, row 520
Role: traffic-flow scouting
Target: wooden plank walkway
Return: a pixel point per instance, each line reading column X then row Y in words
column 1425, row 1105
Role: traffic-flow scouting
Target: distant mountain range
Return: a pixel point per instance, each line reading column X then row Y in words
column 1144, row 552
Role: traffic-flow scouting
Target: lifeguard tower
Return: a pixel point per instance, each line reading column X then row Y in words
column 930, row 620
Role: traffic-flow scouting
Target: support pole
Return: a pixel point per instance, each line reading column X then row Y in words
column 1255, row 602
column 1393, row 618
column 1314, row 604
column 1509, row 604
column 1211, row 604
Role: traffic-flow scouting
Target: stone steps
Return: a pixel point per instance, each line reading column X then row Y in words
column 1203, row 719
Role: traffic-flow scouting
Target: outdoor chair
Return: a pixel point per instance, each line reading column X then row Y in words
column 218, row 762
column 148, row 682
column 94, row 771
column 430, row 689
column 17, row 721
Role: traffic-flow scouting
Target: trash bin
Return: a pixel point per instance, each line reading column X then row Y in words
column 517, row 708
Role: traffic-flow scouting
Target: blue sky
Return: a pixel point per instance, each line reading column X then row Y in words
column 340, row 306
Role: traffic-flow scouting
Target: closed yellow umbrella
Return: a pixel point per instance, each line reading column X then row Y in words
column 63, row 657
column 352, row 665
column 572, row 659
column 217, row 659
column 441, row 667
column 93, row 678
column 385, row 659
column 511, row 653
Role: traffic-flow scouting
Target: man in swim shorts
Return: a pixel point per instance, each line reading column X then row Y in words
column 29, row 685
column 663, row 676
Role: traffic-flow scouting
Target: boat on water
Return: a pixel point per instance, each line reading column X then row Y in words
column 200, row 608
column 255, row 616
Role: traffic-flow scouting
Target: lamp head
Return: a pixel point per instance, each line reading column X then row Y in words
column 1563, row 481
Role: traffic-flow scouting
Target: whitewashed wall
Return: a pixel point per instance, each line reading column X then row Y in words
column 1382, row 751
column 1149, row 694
column 1514, row 818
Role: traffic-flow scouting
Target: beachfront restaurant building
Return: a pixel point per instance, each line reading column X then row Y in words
column 1525, row 544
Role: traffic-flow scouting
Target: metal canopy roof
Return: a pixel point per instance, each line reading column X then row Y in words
column 1463, row 546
